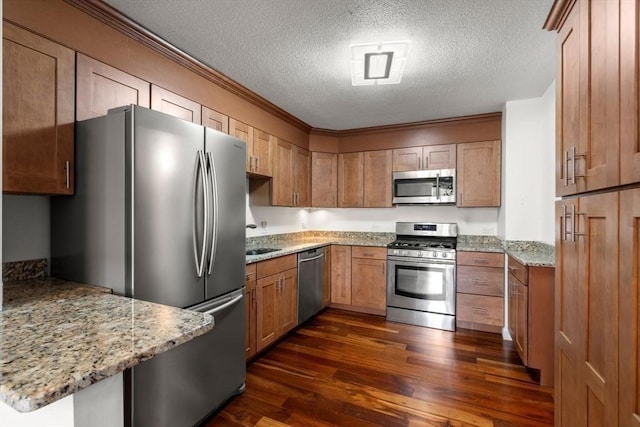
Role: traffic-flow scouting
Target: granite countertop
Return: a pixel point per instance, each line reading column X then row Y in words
column 58, row 337
column 532, row 254
column 294, row 243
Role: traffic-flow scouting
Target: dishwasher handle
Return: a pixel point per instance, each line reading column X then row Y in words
column 300, row 261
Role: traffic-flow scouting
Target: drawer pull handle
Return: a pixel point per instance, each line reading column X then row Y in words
column 481, row 260
column 480, row 282
column 368, row 254
column 479, row 310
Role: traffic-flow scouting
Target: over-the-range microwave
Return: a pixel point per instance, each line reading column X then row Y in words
column 436, row 186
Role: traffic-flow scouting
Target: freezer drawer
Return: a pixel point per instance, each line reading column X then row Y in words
column 184, row 385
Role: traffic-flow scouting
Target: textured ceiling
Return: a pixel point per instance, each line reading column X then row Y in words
column 466, row 56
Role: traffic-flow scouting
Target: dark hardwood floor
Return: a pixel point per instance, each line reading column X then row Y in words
column 349, row 369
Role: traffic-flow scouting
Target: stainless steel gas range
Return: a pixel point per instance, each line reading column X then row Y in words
column 421, row 281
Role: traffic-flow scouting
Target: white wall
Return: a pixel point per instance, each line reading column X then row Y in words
column 25, row 228
column 528, row 159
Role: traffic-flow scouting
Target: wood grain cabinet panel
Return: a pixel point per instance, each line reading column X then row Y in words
column 244, row 132
column 215, row 120
column 324, row 180
column 268, row 290
column 480, row 292
column 427, row 157
column 478, row 174
column 629, row 92
column 175, row 105
column 350, row 180
column 287, row 313
column 369, row 283
column 377, row 179
column 301, row 177
column 37, row 114
column 341, row 274
column 100, row 87
column 326, row 277
column 250, row 315
column 629, row 308
column 263, row 153
column 282, row 184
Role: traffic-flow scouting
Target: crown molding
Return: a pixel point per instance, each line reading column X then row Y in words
column 115, row 19
column 558, row 13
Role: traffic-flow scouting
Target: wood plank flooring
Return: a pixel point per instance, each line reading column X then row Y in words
column 350, row 369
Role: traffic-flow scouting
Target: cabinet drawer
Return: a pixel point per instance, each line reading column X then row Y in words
column 481, row 280
column 520, row 271
column 368, row 252
column 276, row 265
column 250, row 273
column 480, row 309
column 481, row 259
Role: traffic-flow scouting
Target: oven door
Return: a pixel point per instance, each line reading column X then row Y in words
column 416, row 284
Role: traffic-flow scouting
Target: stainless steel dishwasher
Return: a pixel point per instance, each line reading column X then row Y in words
column 310, row 278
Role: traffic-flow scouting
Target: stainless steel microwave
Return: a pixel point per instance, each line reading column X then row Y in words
column 436, row 186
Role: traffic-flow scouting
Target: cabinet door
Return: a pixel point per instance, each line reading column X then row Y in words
column 302, row 177
column 629, row 308
column 377, row 179
column 100, row 87
column 478, row 174
column 520, row 340
column 215, row 120
column 407, row 159
column 439, row 156
column 37, row 114
column 282, row 183
column 263, row 148
column 288, row 301
column 512, row 303
column 569, row 108
column 324, row 180
column 629, row 93
column 341, row 274
column 244, row 132
column 369, row 283
column 267, row 310
column 173, row 104
column 602, row 135
column 326, row 277
column 350, row 180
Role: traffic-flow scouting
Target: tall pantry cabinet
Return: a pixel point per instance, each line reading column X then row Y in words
column 598, row 219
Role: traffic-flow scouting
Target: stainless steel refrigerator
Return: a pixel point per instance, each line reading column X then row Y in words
column 159, row 215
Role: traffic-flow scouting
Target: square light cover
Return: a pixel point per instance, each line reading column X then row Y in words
column 400, row 50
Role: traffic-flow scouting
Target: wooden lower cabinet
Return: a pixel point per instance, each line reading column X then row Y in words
column 275, row 300
column 531, row 316
column 588, row 318
column 480, row 291
column 359, row 279
column 250, row 314
column 326, row 277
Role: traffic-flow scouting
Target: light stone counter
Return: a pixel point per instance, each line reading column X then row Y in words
column 58, row 337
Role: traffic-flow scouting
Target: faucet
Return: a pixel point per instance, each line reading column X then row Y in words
column 251, row 226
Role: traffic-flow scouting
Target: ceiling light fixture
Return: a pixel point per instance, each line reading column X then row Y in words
column 378, row 63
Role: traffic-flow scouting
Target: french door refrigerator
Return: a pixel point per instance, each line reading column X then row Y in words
column 159, row 215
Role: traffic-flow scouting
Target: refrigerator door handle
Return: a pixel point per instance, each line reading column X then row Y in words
column 214, row 225
column 219, row 308
column 200, row 164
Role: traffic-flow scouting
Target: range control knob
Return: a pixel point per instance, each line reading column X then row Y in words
column 435, row 254
column 444, row 254
column 419, row 253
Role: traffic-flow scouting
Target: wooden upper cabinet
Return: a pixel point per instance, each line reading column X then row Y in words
column 282, row 184
column 263, row 149
column 377, row 179
column 100, row 87
column 629, row 92
column 427, row 157
column 478, row 174
column 407, row 159
column 302, row 176
column 38, row 114
column 176, row 105
column 215, row 120
column 244, row 132
column 350, row 180
column 324, row 180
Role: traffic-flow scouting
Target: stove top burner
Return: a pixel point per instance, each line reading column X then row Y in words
column 423, row 244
